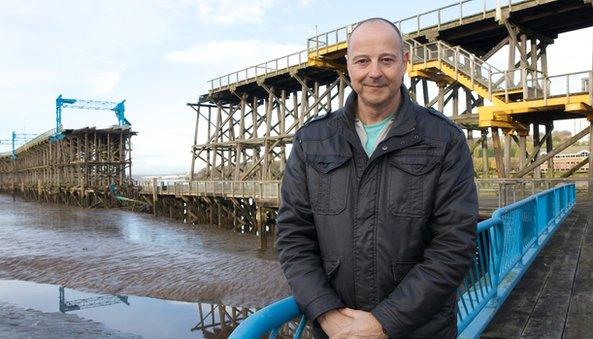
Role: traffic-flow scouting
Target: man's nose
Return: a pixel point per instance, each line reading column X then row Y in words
column 375, row 70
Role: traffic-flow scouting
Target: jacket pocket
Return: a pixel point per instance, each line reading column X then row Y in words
column 411, row 180
column 400, row 270
column 329, row 181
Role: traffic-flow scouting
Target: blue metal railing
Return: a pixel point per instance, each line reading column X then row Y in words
column 507, row 244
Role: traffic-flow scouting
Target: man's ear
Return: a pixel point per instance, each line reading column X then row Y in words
column 406, row 57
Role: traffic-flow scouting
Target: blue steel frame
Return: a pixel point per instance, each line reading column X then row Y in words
column 117, row 107
column 20, row 138
column 13, row 156
column 507, row 244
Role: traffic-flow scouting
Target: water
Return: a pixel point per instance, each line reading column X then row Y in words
column 147, row 317
column 124, row 253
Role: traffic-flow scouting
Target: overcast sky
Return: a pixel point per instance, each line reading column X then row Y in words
column 159, row 55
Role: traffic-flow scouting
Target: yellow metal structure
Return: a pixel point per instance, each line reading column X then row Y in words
column 441, row 63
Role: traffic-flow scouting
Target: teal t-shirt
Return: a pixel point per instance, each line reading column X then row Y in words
column 373, row 132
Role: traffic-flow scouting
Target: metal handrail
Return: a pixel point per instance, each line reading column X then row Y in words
column 324, row 38
column 507, row 244
column 541, row 87
column 261, row 189
column 464, row 62
column 341, row 35
column 250, row 73
column 40, row 138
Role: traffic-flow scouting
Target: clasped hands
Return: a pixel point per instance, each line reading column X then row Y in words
column 344, row 323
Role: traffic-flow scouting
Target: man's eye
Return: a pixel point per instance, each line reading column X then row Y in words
column 388, row 60
column 361, row 61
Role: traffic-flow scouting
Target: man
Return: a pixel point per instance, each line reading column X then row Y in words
column 377, row 224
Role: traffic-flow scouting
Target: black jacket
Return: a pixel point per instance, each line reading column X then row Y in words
column 393, row 234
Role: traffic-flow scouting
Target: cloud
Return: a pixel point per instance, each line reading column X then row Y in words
column 233, row 12
column 228, row 55
column 26, row 76
column 105, row 82
column 305, row 3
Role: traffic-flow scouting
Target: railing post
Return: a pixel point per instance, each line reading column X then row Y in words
column 484, row 9
column 591, row 88
column 567, row 87
column 545, row 90
column 524, row 82
column 439, row 53
column 456, row 61
column 425, row 54
column 489, row 82
column 337, row 38
column 317, row 45
column 439, row 20
column 472, row 66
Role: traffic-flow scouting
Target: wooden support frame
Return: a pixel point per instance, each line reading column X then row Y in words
column 80, row 169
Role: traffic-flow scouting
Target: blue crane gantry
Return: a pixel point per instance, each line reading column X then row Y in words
column 117, row 107
column 17, row 139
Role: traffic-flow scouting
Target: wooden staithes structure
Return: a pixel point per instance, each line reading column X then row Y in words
column 246, row 122
column 88, row 167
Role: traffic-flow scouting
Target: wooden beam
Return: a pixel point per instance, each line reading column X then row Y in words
column 575, row 168
column 496, row 48
column 550, row 155
column 498, row 153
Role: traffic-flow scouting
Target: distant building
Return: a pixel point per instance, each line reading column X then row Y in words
column 568, row 158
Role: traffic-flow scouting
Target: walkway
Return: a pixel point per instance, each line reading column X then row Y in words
column 555, row 297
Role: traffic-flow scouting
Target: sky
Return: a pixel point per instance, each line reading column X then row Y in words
column 159, row 55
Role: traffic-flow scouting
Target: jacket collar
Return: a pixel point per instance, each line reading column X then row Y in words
column 404, row 119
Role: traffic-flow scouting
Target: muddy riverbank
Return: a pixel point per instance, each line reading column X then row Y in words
column 121, row 252
column 17, row 322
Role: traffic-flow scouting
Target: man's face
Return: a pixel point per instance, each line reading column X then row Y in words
column 376, row 65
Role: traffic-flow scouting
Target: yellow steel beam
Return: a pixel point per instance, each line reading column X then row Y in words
column 335, row 50
column 501, row 120
column 501, row 115
column 573, row 103
column 428, row 74
column 578, row 107
column 325, row 63
column 502, row 124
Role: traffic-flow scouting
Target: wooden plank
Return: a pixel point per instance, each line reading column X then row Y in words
column 579, row 322
column 538, row 305
column 549, row 313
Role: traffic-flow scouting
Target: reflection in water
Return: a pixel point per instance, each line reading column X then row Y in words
column 131, row 255
column 211, row 326
column 80, row 304
column 148, row 317
column 215, row 321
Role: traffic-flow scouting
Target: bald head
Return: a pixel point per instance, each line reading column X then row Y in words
column 376, row 21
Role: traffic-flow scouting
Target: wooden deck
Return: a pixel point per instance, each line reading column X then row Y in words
column 555, row 297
